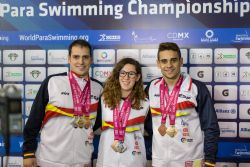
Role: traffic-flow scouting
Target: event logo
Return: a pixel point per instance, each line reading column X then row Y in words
column 12, row 56
column 35, row 73
column 177, row 36
column 109, row 38
column 137, row 38
column 209, row 37
column 241, row 37
column 4, row 38
column 102, row 73
column 241, row 152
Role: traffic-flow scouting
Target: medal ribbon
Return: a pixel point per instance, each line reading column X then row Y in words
column 120, row 119
column 171, row 101
column 81, row 99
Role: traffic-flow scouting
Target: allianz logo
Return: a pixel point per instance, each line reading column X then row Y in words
column 227, row 111
column 13, row 56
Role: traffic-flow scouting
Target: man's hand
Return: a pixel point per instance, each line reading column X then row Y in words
column 29, row 162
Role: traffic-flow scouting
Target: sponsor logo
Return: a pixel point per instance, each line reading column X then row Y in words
column 228, row 129
column 177, row 36
column 226, row 74
column 241, row 37
column 64, row 93
column 209, row 37
column 184, row 96
column 137, row 38
column 200, row 74
column 102, row 56
column 109, row 38
column 35, row 73
column 244, row 129
column 225, row 92
column 57, row 56
column 244, row 92
column 201, row 56
column 248, row 55
column 226, row 56
column 227, row 111
column 13, row 56
column 95, row 97
column 185, row 140
column 239, row 152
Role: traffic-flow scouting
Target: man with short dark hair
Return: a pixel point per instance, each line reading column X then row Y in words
column 63, row 113
column 182, row 120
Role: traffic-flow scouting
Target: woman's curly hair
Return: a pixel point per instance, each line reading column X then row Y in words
column 112, row 90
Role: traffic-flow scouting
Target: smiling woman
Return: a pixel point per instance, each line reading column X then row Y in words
column 121, row 114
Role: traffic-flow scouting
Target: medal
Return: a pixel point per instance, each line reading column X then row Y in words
column 87, row 123
column 121, row 147
column 114, row 145
column 75, row 122
column 118, row 146
column 162, row 129
column 171, row 131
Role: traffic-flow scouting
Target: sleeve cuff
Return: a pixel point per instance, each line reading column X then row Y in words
column 209, row 163
column 28, row 155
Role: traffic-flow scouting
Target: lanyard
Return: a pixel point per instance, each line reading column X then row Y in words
column 81, row 99
column 171, row 101
column 120, row 119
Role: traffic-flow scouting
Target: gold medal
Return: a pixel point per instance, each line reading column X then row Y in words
column 171, row 131
column 80, row 122
column 162, row 129
column 75, row 122
column 87, row 123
